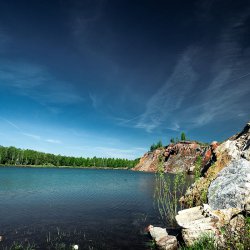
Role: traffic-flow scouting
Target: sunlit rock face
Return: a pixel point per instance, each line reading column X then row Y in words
column 226, row 182
column 149, row 162
column 238, row 146
column 231, row 188
column 178, row 157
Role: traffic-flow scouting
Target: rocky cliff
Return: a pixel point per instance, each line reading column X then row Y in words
column 178, row 157
column 149, row 161
column 225, row 187
column 234, row 149
column 219, row 201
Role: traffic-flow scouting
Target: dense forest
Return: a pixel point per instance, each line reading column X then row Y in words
column 27, row 157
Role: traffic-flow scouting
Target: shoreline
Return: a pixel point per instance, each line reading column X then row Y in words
column 71, row 167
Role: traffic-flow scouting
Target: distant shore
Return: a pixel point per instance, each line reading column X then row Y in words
column 52, row 166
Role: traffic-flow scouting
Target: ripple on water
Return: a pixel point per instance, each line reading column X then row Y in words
column 107, row 207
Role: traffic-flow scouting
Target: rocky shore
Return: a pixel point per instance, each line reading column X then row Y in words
column 177, row 157
column 224, row 184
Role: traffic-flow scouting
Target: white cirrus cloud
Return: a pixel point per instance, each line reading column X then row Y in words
column 37, row 83
column 170, row 96
column 53, row 141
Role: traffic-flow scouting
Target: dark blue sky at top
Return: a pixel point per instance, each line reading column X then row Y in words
column 108, row 78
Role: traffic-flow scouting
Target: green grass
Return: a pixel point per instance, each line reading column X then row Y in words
column 206, row 242
column 167, row 193
column 21, row 246
column 232, row 240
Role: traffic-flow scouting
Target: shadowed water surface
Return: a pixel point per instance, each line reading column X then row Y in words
column 97, row 209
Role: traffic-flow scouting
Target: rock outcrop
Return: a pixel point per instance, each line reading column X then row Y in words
column 203, row 220
column 195, row 223
column 182, row 156
column 231, row 188
column 225, row 185
column 235, row 148
column 149, row 162
column 209, row 157
column 238, row 146
column 162, row 239
column 178, row 157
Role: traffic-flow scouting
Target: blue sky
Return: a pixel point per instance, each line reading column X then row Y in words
column 109, row 78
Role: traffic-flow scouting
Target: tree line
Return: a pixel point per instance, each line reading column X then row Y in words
column 27, row 157
column 159, row 144
column 175, row 140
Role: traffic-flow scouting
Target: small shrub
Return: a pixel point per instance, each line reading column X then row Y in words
column 197, row 170
column 203, row 196
column 232, row 239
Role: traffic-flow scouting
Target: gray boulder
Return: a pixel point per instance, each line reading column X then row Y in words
column 162, row 239
column 231, row 188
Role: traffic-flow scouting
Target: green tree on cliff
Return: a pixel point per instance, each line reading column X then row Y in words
column 152, row 147
column 183, row 136
column 159, row 144
column 172, row 140
column 155, row 146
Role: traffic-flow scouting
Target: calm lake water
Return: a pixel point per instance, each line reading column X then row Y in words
column 97, row 209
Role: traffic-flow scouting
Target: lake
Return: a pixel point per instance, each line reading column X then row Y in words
column 97, row 209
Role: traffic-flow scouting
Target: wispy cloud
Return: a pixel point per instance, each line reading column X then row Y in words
column 94, row 100
column 10, row 123
column 221, row 98
column 30, row 135
column 36, row 137
column 53, row 141
column 59, row 97
column 83, row 18
column 198, row 93
column 220, row 102
column 22, row 75
column 36, row 82
column 170, row 96
column 4, row 40
column 105, row 151
column 119, row 153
